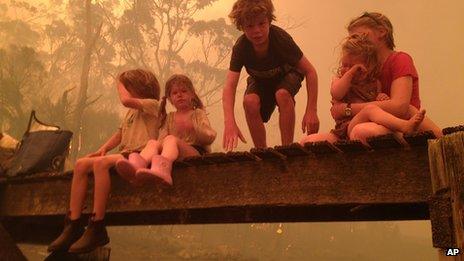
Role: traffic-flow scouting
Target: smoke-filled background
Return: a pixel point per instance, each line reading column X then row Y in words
column 61, row 59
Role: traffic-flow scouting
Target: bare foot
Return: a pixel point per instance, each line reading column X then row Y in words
column 413, row 123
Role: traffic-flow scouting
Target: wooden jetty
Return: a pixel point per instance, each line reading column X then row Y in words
column 422, row 179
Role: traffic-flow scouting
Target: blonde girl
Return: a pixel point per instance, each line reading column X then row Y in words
column 185, row 132
column 357, row 82
column 398, row 78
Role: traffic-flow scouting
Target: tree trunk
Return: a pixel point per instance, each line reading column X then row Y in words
column 89, row 44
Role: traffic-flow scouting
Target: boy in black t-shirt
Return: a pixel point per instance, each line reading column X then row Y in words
column 276, row 67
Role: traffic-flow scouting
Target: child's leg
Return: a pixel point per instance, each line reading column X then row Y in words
column 126, row 168
column 161, row 166
column 252, row 107
column 330, row 137
column 372, row 113
column 174, row 148
column 79, row 185
column 102, row 183
column 152, row 148
column 363, row 131
column 286, row 115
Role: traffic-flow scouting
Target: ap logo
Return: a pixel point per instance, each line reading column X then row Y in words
column 452, row 252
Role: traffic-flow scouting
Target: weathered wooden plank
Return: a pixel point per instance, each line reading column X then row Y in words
column 349, row 146
column 419, row 139
column 292, row 150
column 451, row 130
column 321, row 147
column 393, row 184
column 268, row 154
column 242, row 156
column 387, row 141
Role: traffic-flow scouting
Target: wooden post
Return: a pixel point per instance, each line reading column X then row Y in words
column 8, row 248
column 99, row 254
column 446, row 158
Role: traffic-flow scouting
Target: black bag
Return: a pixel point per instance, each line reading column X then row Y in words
column 43, row 148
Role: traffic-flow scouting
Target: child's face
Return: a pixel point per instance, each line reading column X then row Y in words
column 348, row 61
column 181, row 97
column 257, row 30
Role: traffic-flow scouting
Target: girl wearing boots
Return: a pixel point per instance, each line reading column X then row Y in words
column 185, row 132
column 139, row 92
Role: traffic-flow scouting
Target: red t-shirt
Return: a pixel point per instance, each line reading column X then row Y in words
column 400, row 64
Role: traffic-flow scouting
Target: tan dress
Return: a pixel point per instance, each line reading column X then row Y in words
column 358, row 92
column 139, row 126
column 202, row 135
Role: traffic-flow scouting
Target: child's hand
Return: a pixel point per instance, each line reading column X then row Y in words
column 98, row 153
column 357, row 70
column 382, row 97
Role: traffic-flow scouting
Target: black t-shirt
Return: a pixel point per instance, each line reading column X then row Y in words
column 282, row 56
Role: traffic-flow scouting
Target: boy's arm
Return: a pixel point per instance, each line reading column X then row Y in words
column 110, row 144
column 231, row 130
column 398, row 104
column 310, row 123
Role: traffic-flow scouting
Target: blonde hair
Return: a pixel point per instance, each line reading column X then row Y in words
column 184, row 81
column 141, row 82
column 359, row 45
column 375, row 21
column 244, row 11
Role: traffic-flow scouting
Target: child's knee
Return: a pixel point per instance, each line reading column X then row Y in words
column 102, row 163
column 153, row 143
column 283, row 98
column 82, row 165
column 251, row 103
column 170, row 139
column 360, row 132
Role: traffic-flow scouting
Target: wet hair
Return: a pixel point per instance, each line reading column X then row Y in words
column 178, row 79
column 244, row 11
column 375, row 21
column 360, row 46
column 141, row 82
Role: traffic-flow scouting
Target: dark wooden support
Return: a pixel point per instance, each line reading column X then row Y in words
column 446, row 157
column 8, row 248
column 99, row 254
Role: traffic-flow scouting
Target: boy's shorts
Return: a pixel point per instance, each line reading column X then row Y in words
column 266, row 91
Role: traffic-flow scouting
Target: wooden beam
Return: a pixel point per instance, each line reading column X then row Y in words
column 388, row 184
column 8, row 248
column 447, row 205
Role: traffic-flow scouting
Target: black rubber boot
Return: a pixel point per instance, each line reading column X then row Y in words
column 94, row 236
column 72, row 231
